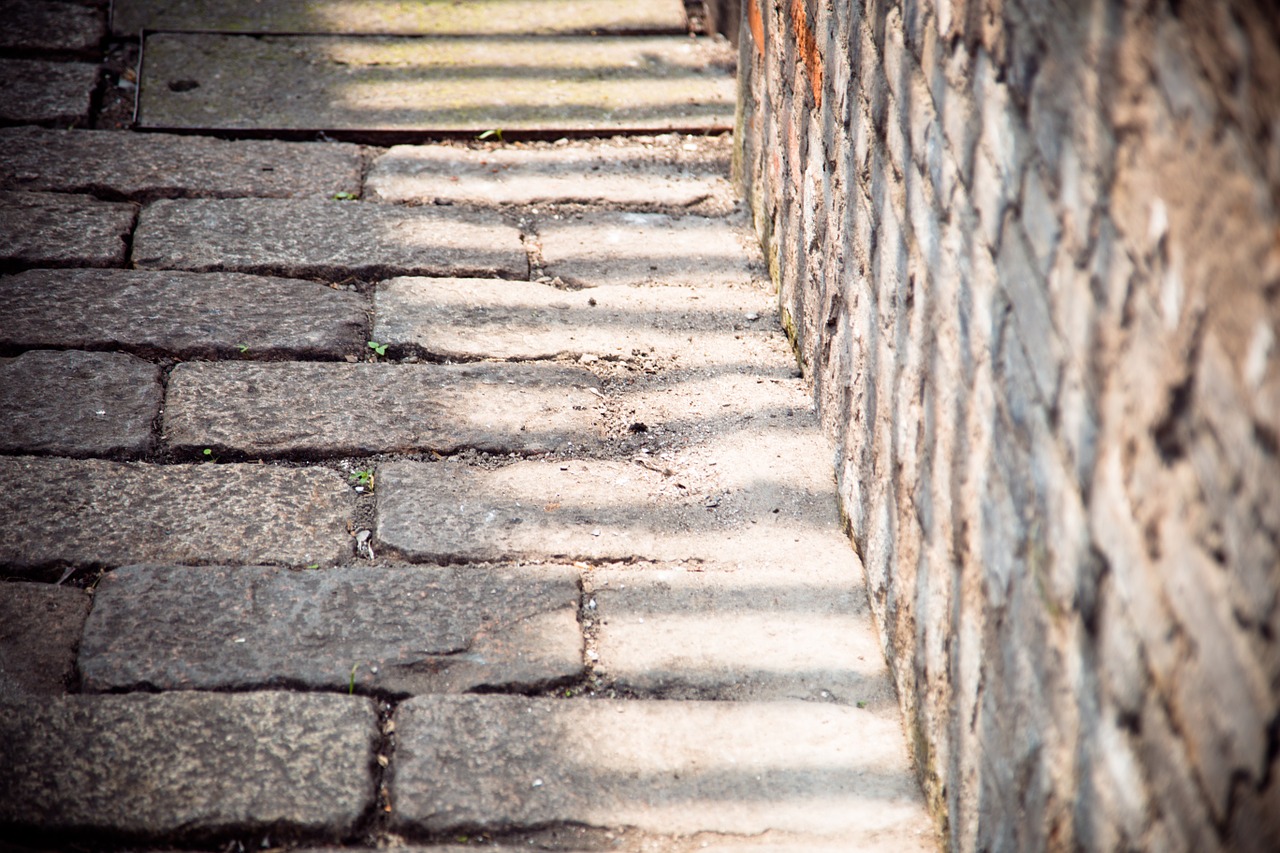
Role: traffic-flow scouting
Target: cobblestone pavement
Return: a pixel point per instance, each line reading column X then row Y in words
column 439, row 495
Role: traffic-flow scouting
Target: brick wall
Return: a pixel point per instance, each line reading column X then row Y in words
column 1029, row 254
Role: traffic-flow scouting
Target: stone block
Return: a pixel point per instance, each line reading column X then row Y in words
column 40, row 627
column 389, row 631
column 51, row 26
column 180, row 314
column 331, row 240
column 41, row 92
column 187, row 766
column 54, row 230
column 146, row 166
column 65, row 514
column 354, row 409
column 78, row 404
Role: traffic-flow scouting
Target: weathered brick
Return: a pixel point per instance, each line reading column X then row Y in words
column 51, row 25
column 54, row 230
column 42, row 92
column 41, row 629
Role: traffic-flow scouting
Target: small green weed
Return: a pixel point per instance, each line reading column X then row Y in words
column 344, row 196
column 207, row 453
column 380, row 349
column 351, row 688
column 244, row 348
column 495, row 133
column 363, row 478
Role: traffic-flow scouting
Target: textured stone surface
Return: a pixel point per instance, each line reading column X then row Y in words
column 351, row 409
column 458, row 84
column 180, row 314
column 632, row 248
column 743, row 634
column 78, row 404
column 64, row 513
column 425, row 17
column 40, row 627
column 402, row 630
column 617, row 172
column 324, row 239
column 187, row 765
column 50, row 25
column 40, row 92
column 44, row 229
column 672, row 767
column 466, row 319
column 144, row 166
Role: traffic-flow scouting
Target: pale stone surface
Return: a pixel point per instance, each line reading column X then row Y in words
column 330, row 240
column 78, row 404
column 633, row 248
column 40, row 626
column 618, row 84
column 145, row 166
column 180, row 314
column 188, row 765
column 352, row 409
column 741, row 635
column 501, row 762
column 65, row 514
column 54, row 230
column 465, row 319
column 50, row 25
column 616, row 172
column 401, row 630
column 41, row 92
column 424, row 17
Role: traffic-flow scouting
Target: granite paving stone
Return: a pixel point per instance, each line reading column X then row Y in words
column 650, row 84
column 40, row 627
column 49, row 25
column 65, row 513
column 209, row 315
column 55, row 230
column 146, row 166
column 617, row 172
column 423, row 17
column 332, row 240
column 352, row 409
column 402, row 630
column 633, row 248
column 498, row 762
column 187, row 766
column 37, row 91
column 78, row 404
column 466, row 319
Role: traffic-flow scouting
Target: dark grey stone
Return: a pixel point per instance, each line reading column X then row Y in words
column 399, row 631
column 68, row 513
column 78, row 404
column 146, row 166
column 351, row 409
column 40, row 626
column 49, row 25
column 188, row 765
column 41, row 92
column 52, row 230
column 331, row 240
column 220, row 315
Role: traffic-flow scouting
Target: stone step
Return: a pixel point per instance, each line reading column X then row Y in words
column 57, row 230
column 468, row 319
column 448, row 84
column 186, row 767
column 423, row 17
column 321, row 409
column 51, row 26
column 64, row 514
column 670, row 171
column 331, row 240
column 499, row 763
column 37, row 91
column 146, row 166
column 78, row 404
column 180, row 314
column 395, row 631
column 42, row 628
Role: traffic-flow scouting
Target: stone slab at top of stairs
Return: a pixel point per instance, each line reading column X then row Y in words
column 545, row 84
column 68, row 513
column 187, row 766
column 398, row 630
column 40, row 628
column 146, row 166
column 331, row 240
column 423, row 17
column 182, row 314
column 56, row 230
column 37, row 91
column 50, row 25
column 353, row 409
